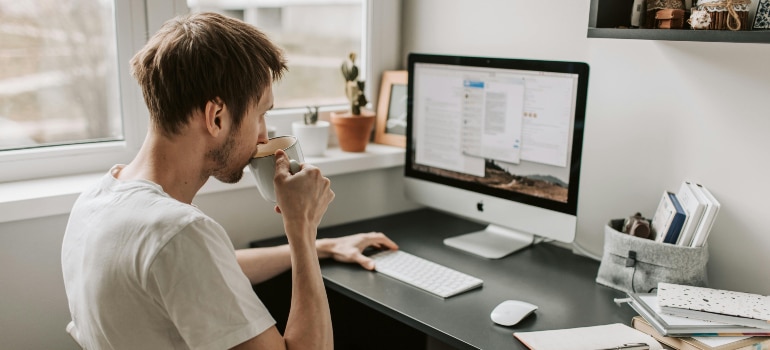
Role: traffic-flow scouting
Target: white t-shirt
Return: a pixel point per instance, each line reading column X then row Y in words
column 145, row 271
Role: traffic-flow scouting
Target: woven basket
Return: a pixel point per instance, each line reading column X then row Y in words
column 722, row 18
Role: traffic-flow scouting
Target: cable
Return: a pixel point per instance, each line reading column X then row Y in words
column 576, row 247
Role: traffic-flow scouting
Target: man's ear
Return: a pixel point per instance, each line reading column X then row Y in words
column 214, row 114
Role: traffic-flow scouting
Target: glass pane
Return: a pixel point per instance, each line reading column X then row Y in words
column 58, row 73
column 317, row 37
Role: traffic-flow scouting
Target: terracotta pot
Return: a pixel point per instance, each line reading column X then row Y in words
column 353, row 131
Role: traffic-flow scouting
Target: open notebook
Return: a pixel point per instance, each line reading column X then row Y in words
column 608, row 336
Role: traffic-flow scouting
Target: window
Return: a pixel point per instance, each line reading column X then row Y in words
column 316, row 36
column 68, row 104
column 58, row 74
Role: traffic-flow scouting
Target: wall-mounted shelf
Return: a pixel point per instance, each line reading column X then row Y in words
column 607, row 15
column 682, row 35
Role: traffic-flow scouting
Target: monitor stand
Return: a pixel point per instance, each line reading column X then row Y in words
column 494, row 242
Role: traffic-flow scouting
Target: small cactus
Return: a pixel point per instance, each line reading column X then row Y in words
column 349, row 70
column 311, row 117
column 354, row 88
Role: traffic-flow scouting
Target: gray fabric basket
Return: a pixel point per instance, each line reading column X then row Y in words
column 654, row 262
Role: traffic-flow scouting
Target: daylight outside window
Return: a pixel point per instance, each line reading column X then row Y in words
column 58, row 73
column 316, row 36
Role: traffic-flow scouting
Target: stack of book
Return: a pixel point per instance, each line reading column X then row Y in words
column 685, row 218
column 697, row 318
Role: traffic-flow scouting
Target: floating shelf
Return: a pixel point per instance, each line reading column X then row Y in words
column 682, row 35
column 607, row 15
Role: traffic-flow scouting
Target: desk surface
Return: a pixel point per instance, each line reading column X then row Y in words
column 561, row 283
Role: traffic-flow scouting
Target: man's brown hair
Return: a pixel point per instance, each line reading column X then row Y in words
column 196, row 58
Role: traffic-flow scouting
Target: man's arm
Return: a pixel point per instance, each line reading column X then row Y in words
column 302, row 200
column 309, row 323
column 261, row 264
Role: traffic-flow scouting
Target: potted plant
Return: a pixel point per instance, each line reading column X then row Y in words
column 353, row 127
column 313, row 134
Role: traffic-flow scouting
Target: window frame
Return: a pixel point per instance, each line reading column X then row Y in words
column 32, row 163
column 381, row 51
column 134, row 19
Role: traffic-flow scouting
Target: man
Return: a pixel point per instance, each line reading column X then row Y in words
column 143, row 267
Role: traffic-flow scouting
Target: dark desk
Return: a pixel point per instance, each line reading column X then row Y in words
column 558, row 281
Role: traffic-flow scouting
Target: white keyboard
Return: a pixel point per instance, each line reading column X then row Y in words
column 424, row 274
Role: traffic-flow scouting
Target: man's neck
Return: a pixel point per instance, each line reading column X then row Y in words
column 174, row 164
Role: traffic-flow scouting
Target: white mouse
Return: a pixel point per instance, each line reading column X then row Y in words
column 510, row 312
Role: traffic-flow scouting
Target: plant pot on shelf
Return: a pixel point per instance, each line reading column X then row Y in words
column 353, row 131
column 314, row 138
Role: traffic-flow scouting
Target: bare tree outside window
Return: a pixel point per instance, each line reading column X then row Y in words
column 317, row 36
column 58, row 73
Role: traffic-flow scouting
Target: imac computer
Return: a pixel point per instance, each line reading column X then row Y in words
column 499, row 141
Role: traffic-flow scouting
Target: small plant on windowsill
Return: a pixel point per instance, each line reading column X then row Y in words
column 313, row 134
column 354, row 88
column 311, row 117
column 353, row 127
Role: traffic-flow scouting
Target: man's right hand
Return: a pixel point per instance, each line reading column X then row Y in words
column 302, row 198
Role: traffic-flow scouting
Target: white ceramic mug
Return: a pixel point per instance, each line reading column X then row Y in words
column 262, row 164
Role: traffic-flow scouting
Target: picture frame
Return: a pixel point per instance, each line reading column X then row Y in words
column 391, row 109
column 762, row 16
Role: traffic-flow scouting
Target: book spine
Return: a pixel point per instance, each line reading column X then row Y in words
column 760, row 345
column 641, row 324
column 677, row 222
column 704, row 202
column 661, row 221
column 708, row 218
column 689, row 343
column 714, row 317
column 694, row 205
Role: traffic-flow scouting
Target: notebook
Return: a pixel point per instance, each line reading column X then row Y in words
column 647, row 306
column 586, row 338
column 746, row 309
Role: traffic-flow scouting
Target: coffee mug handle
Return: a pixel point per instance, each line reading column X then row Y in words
column 293, row 166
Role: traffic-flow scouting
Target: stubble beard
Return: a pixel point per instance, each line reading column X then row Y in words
column 222, row 158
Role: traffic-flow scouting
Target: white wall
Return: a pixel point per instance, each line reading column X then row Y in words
column 33, row 305
column 658, row 113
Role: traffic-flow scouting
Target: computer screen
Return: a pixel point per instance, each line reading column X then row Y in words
column 497, row 140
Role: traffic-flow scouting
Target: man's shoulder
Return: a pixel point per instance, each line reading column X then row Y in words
column 164, row 215
column 136, row 209
column 138, row 195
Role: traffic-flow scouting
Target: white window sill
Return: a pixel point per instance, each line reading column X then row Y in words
column 23, row 200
